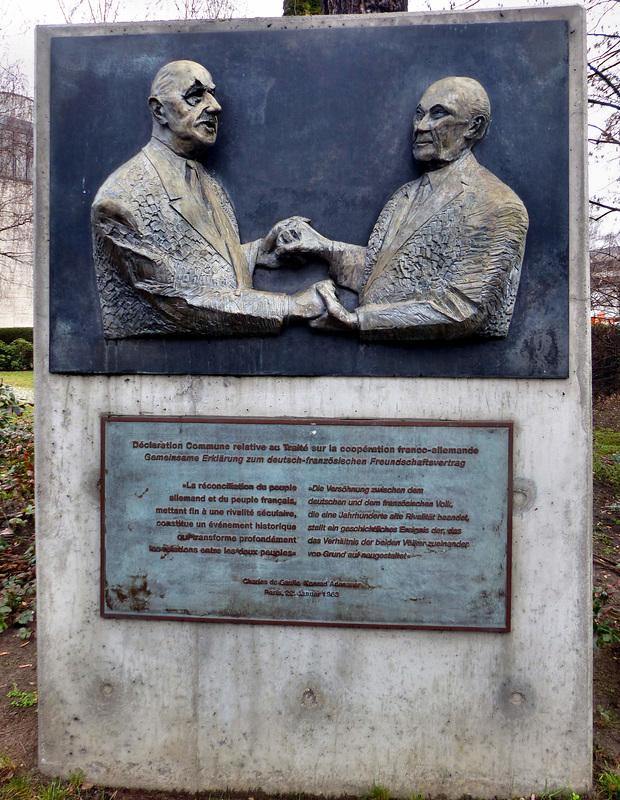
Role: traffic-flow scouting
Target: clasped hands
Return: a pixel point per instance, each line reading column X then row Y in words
column 294, row 238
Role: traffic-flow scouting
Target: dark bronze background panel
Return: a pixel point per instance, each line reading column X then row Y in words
column 315, row 122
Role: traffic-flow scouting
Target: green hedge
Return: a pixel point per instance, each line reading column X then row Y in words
column 15, row 356
column 8, row 335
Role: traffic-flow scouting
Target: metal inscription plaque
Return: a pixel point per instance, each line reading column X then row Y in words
column 325, row 522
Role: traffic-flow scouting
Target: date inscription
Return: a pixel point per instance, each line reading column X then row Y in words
column 386, row 523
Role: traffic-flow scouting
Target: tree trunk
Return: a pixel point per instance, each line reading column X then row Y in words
column 362, row 6
column 302, row 7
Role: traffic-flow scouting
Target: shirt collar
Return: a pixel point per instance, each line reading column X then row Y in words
column 438, row 176
column 176, row 161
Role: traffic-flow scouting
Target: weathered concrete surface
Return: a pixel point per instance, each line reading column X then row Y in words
column 195, row 706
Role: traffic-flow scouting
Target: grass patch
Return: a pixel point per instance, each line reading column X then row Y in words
column 377, row 792
column 609, row 718
column 610, row 784
column 22, row 380
column 18, row 785
column 607, row 458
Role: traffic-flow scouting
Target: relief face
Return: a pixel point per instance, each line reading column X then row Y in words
column 444, row 125
column 443, row 260
column 186, row 108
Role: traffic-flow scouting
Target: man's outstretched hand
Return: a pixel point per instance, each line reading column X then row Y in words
column 336, row 318
column 309, row 303
column 295, row 238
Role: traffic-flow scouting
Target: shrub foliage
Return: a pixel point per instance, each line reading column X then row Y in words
column 17, row 555
column 16, row 356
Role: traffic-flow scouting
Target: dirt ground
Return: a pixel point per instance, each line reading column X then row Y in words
column 606, row 698
column 18, row 726
column 18, row 663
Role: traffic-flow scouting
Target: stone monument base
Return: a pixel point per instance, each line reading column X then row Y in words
column 168, row 704
column 319, row 709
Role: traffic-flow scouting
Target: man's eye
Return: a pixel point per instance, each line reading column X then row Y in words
column 193, row 99
column 439, row 111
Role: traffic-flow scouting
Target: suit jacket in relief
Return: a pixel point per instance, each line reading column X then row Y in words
column 168, row 256
column 443, row 260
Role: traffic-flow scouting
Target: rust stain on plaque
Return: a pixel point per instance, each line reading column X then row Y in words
column 135, row 596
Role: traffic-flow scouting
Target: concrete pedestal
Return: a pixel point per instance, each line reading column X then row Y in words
column 325, row 710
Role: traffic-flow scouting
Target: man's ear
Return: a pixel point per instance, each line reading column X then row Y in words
column 157, row 110
column 476, row 128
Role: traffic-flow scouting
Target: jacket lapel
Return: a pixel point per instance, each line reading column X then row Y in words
column 182, row 198
column 419, row 214
column 403, row 226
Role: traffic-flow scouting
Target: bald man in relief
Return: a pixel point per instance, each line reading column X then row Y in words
column 166, row 241
column 444, row 258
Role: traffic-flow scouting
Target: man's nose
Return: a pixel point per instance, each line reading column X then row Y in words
column 211, row 104
column 422, row 124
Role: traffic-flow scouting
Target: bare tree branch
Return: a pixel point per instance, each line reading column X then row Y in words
column 195, row 9
column 594, row 102
column 604, row 205
column 605, row 79
column 16, row 206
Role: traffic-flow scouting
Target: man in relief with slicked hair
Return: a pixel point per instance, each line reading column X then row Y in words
column 166, row 242
column 444, row 258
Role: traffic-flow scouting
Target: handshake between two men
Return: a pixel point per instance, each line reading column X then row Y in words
column 292, row 242
column 443, row 260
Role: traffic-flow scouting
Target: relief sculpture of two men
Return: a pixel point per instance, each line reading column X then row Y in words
column 443, row 260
